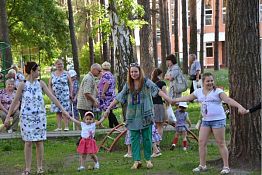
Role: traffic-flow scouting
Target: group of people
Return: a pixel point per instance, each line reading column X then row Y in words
column 145, row 108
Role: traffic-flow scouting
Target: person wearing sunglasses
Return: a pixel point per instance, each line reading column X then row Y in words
column 137, row 94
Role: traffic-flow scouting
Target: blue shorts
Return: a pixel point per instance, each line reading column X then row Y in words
column 214, row 124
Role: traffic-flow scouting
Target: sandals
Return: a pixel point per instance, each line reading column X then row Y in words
column 225, row 170
column 26, row 172
column 199, row 169
column 136, row 165
column 40, row 171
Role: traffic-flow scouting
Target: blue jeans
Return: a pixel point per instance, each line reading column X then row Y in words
column 214, row 124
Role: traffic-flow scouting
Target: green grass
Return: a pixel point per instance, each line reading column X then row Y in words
column 61, row 157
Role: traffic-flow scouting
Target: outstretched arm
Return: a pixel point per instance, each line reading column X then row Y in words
column 188, row 98
column 101, row 120
column 113, row 103
column 53, row 98
column 232, row 102
column 74, row 120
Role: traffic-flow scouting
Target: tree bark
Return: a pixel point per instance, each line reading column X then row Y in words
column 216, row 56
column 146, row 45
column 184, row 28
column 245, row 81
column 73, row 37
column 201, row 53
column 104, row 39
column 167, row 33
column 176, row 31
column 154, row 11
column 4, row 34
column 163, row 36
column 193, row 28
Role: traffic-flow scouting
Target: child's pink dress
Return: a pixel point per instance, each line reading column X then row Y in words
column 87, row 144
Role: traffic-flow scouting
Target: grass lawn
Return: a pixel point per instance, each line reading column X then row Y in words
column 61, row 156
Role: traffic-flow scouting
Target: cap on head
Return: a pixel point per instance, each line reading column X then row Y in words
column 72, row 73
column 183, row 104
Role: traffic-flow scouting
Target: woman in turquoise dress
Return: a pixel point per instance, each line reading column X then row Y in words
column 137, row 93
column 33, row 115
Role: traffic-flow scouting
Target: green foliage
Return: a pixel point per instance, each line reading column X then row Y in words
column 85, row 58
column 41, row 24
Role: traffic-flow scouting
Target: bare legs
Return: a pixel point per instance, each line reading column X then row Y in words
column 39, row 154
column 59, row 118
column 219, row 134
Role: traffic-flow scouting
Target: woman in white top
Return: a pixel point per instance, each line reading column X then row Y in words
column 214, row 119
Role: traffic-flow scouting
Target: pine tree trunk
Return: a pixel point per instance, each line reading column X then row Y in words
column 167, row 33
column 201, row 54
column 176, row 31
column 4, row 33
column 216, row 58
column 163, row 36
column 154, row 32
column 146, row 44
column 193, row 28
column 72, row 37
column 245, row 81
column 184, row 28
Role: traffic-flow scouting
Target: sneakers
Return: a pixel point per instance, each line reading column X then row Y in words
column 58, row 129
column 225, row 170
column 81, row 168
column 66, row 129
column 199, row 169
column 127, row 155
column 96, row 165
column 156, row 154
column 173, row 147
column 149, row 164
column 184, row 148
column 136, row 165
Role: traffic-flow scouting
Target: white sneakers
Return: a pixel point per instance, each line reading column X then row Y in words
column 199, row 169
column 81, row 168
column 96, row 165
column 127, row 155
column 59, row 129
column 225, row 170
column 156, row 154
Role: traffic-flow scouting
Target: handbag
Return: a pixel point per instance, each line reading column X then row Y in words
column 170, row 115
column 180, row 83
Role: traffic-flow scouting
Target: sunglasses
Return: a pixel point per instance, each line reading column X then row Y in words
column 134, row 65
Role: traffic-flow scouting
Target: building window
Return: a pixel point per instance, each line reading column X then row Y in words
column 224, row 7
column 260, row 10
column 209, row 49
column 208, row 14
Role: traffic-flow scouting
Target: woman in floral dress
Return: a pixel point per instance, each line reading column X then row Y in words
column 33, row 115
column 60, row 85
column 106, row 92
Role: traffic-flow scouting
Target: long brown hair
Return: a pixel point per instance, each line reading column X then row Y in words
column 156, row 72
column 130, row 80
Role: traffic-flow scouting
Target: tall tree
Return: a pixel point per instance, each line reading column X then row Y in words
column 163, row 35
column 184, row 29
column 154, row 12
column 245, row 81
column 104, row 38
column 167, row 31
column 176, row 30
column 216, row 56
column 193, row 27
column 4, row 32
column 146, row 45
column 73, row 37
column 201, row 53
column 90, row 37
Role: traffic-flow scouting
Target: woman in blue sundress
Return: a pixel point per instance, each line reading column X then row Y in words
column 33, row 115
column 60, row 85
